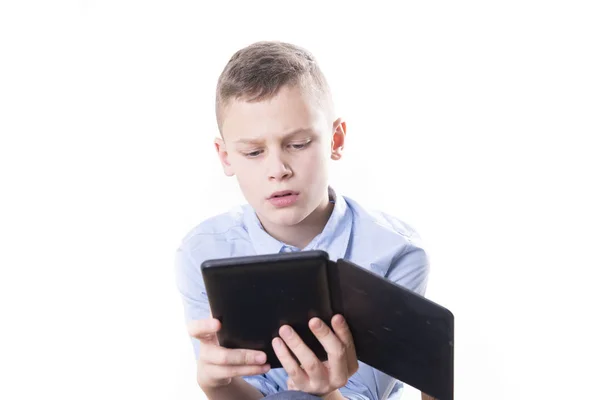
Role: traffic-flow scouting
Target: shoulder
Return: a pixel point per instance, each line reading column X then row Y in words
column 382, row 224
column 217, row 236
column 223, row 235
column 388, row 246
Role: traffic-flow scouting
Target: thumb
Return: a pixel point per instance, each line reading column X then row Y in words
column 204, row 330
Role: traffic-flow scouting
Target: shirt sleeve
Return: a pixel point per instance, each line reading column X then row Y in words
column 192, row 291
column 361, row 385
column 263, row 384
column 368, row 384
column 410, row 268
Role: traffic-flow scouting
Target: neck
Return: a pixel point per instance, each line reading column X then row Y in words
column 301, row 234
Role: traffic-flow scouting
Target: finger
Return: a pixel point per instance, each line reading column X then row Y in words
column 342, row 331
column 336, row 352
column 289, row 364
column 291, row 385
column 310, row 362
column 231, row 371
column 204, row 329
column 217, row 355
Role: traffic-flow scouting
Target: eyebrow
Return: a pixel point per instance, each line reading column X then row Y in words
column 286, row 136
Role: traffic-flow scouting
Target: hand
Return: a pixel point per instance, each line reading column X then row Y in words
column 313, row 376
column 218, row 365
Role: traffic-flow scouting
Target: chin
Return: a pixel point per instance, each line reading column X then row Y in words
column 289, row 216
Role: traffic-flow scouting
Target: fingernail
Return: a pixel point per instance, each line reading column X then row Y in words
column 318, row 324
column 261, row 358
column 286, row 331
column 276, row 344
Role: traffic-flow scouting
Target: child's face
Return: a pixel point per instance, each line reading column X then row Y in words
column 281, row 144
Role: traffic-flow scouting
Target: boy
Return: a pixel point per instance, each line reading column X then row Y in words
column 278, row 132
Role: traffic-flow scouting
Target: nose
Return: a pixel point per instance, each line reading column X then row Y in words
column 277, row 167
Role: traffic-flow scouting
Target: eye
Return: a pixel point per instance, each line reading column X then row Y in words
column 253, row 154
column 299, row 146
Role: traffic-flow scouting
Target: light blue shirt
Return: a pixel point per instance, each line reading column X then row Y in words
column 371, row 239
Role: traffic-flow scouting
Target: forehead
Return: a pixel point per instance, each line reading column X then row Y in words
column 292, row 109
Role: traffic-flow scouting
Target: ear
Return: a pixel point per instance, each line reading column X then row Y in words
column 338, row 139
column 223, row 156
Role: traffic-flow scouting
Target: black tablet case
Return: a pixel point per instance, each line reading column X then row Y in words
column 395, row 330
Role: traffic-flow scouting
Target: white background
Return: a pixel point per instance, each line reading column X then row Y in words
column 476, row 122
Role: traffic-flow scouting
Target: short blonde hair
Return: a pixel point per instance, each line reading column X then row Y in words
column 258, row 71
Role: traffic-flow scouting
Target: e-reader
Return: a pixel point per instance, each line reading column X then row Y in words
column 253, row 296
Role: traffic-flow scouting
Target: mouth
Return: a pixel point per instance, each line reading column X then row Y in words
column 284, row 193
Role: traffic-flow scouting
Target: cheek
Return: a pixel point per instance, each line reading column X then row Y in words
column 317, row 159
column 312, row 168
column 247, row 174
column 242, row 166
column 248, row 187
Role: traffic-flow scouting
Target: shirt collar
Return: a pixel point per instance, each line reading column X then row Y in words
column 333, row 239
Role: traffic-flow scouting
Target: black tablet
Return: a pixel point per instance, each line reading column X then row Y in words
column 254, row 296
column 396, row 330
